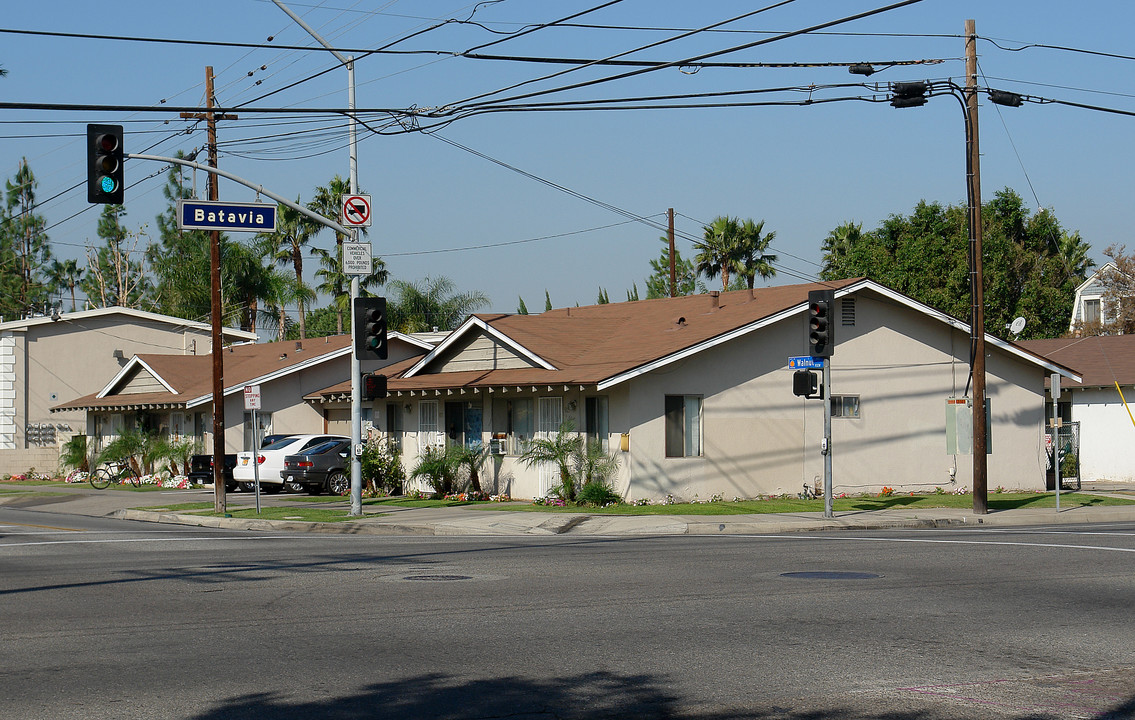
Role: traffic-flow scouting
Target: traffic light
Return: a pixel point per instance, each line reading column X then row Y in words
column 370, row 327
column 105, row 177
column 374, row 386
column 805, row 383
column 821, row 336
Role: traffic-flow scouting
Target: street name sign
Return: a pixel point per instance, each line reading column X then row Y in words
column 356, row 258
column 805, row 362
column 230, row 216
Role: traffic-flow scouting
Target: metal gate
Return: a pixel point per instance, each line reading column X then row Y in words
column 1067, row 444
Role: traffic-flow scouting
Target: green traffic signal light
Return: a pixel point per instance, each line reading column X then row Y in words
column 105, row 182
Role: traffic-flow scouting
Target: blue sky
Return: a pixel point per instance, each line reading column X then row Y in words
column 442, row 210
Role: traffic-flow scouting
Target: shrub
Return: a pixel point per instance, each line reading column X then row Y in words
column 74, row 454
column 439, row 468
column 597, row 492
column 382, row 466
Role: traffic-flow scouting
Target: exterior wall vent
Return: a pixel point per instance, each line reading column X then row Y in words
column 847, row 311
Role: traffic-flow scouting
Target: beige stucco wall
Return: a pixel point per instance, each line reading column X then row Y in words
column 759, row 438
column 52, row 363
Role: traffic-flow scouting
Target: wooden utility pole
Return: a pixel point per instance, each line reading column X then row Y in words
column 215, row 302
column 977, row 289
column 673, row 264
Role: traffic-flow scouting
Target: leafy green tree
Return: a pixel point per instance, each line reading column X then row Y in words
column 179, row 261
column 430, row 303
column 658, row 284
column 925, row 255
column 521, row 309
column 603, row 297
column 321, row 322
column 547, row 300
column 719, row 249
column 632, row 294
column 24, row 247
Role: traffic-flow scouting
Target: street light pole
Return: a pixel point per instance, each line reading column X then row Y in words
column 356, row 367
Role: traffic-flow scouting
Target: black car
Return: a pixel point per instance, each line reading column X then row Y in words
column 201, row 471
column 323, row 467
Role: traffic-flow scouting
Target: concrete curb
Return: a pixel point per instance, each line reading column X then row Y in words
column 520, row 524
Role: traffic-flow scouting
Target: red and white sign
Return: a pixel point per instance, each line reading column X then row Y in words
column 251, row 397
column 356, row 210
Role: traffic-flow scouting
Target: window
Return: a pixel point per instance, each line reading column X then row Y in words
column 595, row 422
column 427, row 425
column 394, row 424
column 512, row 422
column 1092, row 310
column 845, row 406
column 264, row 427
column 683, row 425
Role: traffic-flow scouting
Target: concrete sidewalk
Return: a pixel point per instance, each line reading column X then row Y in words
column 83, row 500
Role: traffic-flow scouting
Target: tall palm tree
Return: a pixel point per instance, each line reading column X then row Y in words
column 752, row 260
column 250, row 281
column 293, row 232
column 718, row 251
column 65, row 275
column 421, row 306
column 836, row 247
column 1073, row 254
column 336, row 283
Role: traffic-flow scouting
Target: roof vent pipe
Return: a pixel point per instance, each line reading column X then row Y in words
column 714, row 299
column 299, row 346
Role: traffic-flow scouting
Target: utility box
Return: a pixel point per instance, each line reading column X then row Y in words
column 959, row 427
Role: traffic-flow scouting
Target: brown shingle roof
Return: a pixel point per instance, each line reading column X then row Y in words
column 1101, row 360
column 191, row 376
column 588, row 345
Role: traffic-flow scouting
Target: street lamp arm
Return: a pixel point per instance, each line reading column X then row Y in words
column 248, row 183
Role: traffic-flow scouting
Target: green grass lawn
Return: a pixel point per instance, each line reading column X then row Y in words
column 997, row 501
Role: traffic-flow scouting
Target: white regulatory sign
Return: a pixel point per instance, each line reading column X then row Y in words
column 356, row 258
column 251, row 397
column 356, row 210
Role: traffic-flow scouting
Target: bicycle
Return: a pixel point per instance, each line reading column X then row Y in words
column 116, row 474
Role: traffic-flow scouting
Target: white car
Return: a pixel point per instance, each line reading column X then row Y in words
column 270, row 459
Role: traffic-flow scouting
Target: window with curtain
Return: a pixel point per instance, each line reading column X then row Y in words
column 513, row 423
column 595, row 421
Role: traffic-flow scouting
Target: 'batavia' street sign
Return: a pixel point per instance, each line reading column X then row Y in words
column 231, row 216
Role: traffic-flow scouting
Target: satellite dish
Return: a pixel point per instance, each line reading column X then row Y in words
column 1017, row 326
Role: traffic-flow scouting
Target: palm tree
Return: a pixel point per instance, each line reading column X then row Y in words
column 718, row 252
column 250, row 281
column 560, row 451
column 752, row 260
column 836, row 247
column 1073, row 254
column 471, row 457
column 293, row 232
column 337, row 284
column 419, row 307
column 65, row 275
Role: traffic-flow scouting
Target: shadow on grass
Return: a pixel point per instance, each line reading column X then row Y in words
column 588, row 696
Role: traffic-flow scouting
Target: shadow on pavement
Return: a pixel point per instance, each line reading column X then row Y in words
column 591, row 696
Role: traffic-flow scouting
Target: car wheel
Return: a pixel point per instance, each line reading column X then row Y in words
column 246, row 486
column 230, row 487
column 338, row 484
column 292, row 486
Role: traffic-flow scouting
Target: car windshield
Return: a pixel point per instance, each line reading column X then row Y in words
column 325, row 447
column 279, row 444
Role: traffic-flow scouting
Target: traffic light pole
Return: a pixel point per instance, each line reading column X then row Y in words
column 827, row 448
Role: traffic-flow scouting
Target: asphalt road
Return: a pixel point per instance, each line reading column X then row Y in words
column 111, row 619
